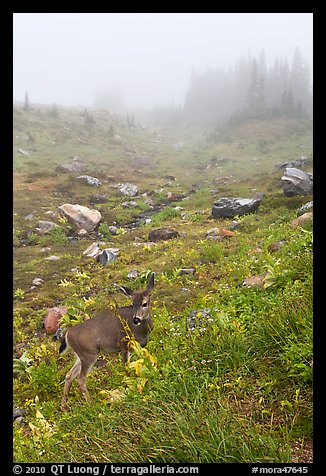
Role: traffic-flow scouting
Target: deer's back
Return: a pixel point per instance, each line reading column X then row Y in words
column 101, row 333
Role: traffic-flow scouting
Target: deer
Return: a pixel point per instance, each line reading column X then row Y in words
column 107, row 332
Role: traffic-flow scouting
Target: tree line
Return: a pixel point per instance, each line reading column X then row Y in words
column 247, row 90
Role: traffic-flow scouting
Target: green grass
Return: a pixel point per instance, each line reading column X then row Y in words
column 238, row 389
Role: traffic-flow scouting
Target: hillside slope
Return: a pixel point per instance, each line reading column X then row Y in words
column 238, row 388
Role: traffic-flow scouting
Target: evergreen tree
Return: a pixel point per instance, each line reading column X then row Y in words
column 253, row 88
column 26, row 102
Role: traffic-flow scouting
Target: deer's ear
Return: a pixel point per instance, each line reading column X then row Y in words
column 150, row 283
column 127, row 291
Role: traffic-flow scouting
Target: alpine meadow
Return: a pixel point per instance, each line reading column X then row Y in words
column 211, row 200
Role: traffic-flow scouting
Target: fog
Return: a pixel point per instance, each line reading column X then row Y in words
column 141, row 59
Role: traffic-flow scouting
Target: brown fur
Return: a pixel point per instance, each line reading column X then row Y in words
column 107, row 332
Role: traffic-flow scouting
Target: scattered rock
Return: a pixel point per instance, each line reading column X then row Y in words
column 276, row 245
column 159, row 234
column 18, row 414
column 258, row 249
column 305, row 218
column 128, row 189
column 92, row 181
column 93, row 250
column 298, row 163
column 52, row 258
column 296, row 182
column 175, row 197
column 29, row 217
column 219, row 233
column 187, row 271
column 307, row 206
column 109, row 254
column 59, row 334
column 98, row 198
column 133, row 274
column 130, row 204
column 254, row 281
column 46, row 249
column 37, row 281
column 82, row 217
column 113, row 230
column 82, row 232
column 77, row 166
column 199, row 318
column 141, row 161
column 45, row 226
column 102, row 256
column 22, row 151
column 230, row 207
column 52, row 318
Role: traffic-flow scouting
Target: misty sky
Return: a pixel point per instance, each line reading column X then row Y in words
column 66, row 58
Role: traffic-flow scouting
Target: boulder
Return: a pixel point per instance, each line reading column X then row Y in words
column 305, row 208
column 109, row 254
column 305, row 218
column 92, row 181
column 296, row 182
column 45, row 226
column 159, row 234
column 73, row 167
column 230, row 207
column 128, row 189
column 82, row 217
column 52, row 318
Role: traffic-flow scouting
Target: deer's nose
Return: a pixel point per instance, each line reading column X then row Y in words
column 136, row 321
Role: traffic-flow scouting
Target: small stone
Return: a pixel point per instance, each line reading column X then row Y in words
column 52, row 258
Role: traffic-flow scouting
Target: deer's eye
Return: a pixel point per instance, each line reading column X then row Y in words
column 144, row 304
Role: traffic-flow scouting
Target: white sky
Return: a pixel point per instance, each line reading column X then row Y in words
column 65, row 58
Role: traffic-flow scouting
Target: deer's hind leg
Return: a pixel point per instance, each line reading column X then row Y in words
column 87, row 364
column 70, row 377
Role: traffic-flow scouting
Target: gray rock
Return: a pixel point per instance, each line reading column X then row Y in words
column 92, row 181
column 296, row 182
column 133, row 274
column 128, row 189
column 230, row 207
column 305, row 208
column 92, row 251
column 73, row 167
column 37, row 281
column 113, row 230
column 159, row 234
column 199, row 319
column 98, row 198
column 298, row 163
column 187, row 271
column 82, row 217
column 18, row 414
column 107, row 255
column 59, row 333
column 45, row 226
column 52, row 258
column 254, row 281
column 131, row 204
